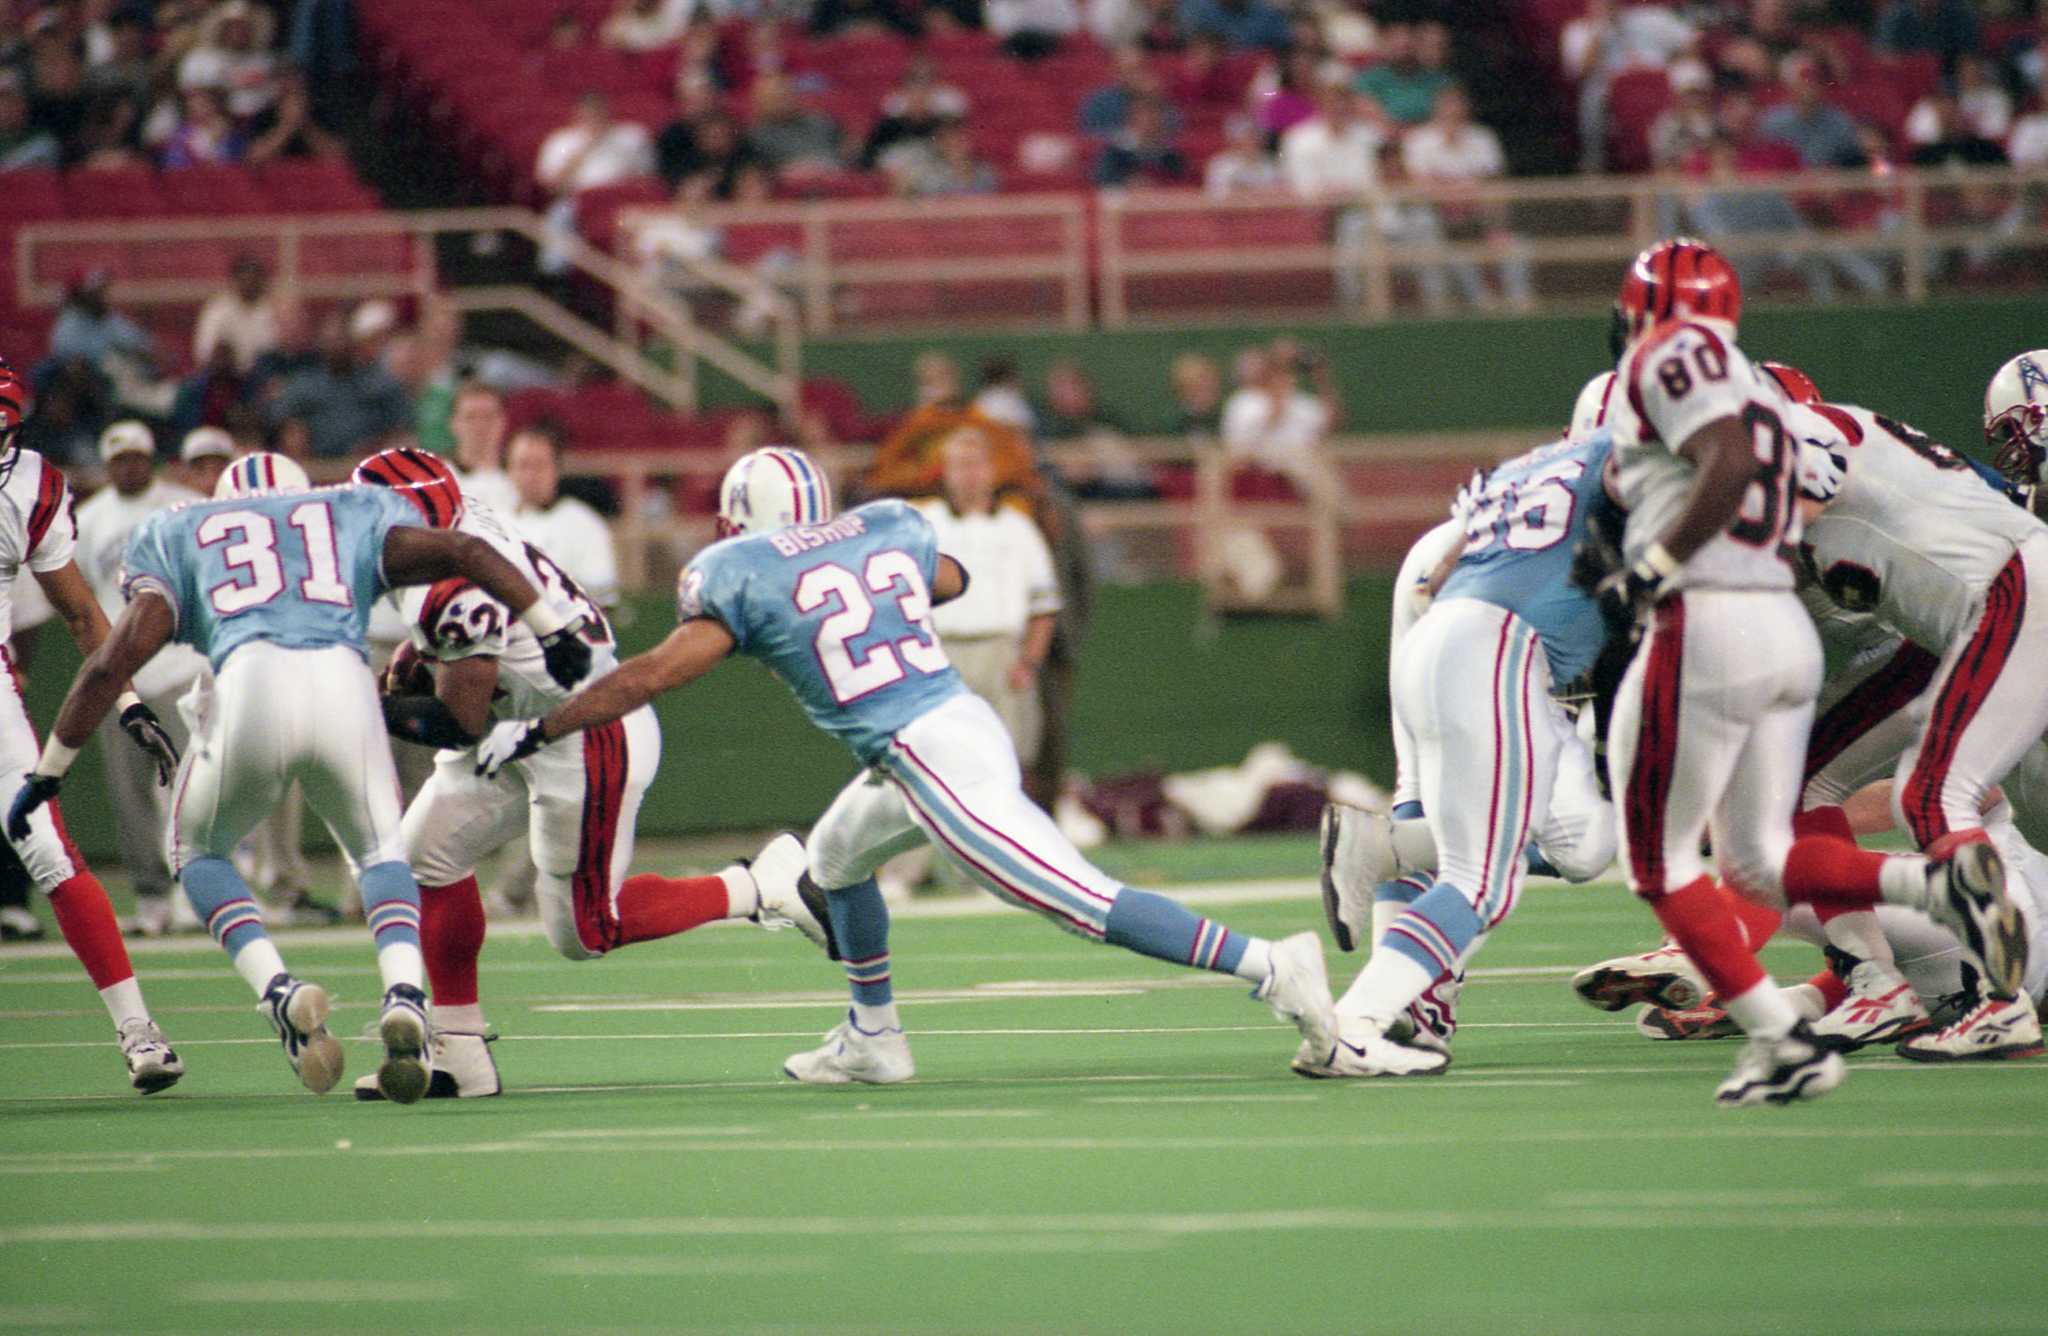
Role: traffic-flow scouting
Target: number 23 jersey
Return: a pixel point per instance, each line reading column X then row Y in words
column 840, row 611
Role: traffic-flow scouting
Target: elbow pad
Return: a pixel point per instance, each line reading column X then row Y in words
column 426, row 721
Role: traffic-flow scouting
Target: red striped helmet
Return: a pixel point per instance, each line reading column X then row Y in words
column 13, row 398
column 1797, row 385
column 422, row 477
column 1675, row 279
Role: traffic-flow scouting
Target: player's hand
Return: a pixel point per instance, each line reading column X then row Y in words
column 34, row 792
column 407, row 673
column 1631, row 592
column 509, row 741
column 1022, row 676
column 567, row 652
column 146, row 731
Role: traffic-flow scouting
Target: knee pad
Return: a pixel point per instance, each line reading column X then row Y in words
column 558, row 922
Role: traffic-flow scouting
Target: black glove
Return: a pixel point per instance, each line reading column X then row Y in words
column 34, row 792
column 146, row 731
column 567, row 652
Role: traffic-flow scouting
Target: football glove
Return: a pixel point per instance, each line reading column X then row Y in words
column 567, row 652
column 34, row 792
column 146, row 731
column 509, row 741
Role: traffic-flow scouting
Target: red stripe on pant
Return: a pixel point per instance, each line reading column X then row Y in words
column 1650, row 770
column 1875, row 699
column 1962, row 696
column 604, row 791
column 1500, row 656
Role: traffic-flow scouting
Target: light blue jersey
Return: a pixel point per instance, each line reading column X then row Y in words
column 840, row 611
column 1522, row 521
column 297, row 569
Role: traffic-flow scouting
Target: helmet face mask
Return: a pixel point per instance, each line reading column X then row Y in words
column 421, row 477
column 1674, row 280
column 772, row 488
column 2016, row 418
column 13, row 402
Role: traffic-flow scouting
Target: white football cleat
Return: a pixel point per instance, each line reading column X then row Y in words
column 1881, row 1007
column 405, row 1073
column 461, row 1068
column 851, row 1054
column 19, row 925
column 298, row 1012
column 780, row 887
column 1665, row 977
column 1298, row 989
column 1779, row 1071
column 1357, row 855
column 1431, row 1019
column 152, row 1066
column 1994, row 1028
column 1966, row 895
column 1705, row 1021
column 1361, row 1050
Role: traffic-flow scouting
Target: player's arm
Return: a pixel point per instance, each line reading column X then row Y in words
column 414, row 555
column 73, row 599
column 1723, row 453
column 951, row 582
column 145, row 628
column 455, row 715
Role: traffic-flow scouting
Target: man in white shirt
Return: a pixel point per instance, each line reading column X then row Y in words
column 242, row 318
column 570, row 532
column 1273, row 424
column 1333, row 158
column 592, row 150
column 477, row 422
column 206, row 453
column 134, row 493
column 1449, row 150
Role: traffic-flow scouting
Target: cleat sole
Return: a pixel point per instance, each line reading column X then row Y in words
column 320, row 1059
column 404, row 1077
column 1338, row 928
column 1613, row 989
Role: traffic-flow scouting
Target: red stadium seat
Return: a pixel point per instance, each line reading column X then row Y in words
column 127, row 193
column 316, row 185
column 215, row 190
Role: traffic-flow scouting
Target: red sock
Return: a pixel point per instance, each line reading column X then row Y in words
column 1698, row 918
column 1823, row 821
column 653, row 907
column 1822, row 869
column 451, row 939
column 86, row 919
column 1832, row 990
column 1759, row 922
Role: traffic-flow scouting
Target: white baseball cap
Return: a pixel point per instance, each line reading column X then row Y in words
column 206, row 443
column 126, row 437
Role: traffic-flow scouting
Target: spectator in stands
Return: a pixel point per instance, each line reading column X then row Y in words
column 243, row 318
column 1333, row 158
column 914, row 109
column 1451, row 150
column 2027, row 146
column 1823, row 133
column 1284, row 92
column 1108, row 109
column 1950, row 137
column 1742, row 213
column 792, row 141
column 478, row 422
column 57, row 93
column 22, row 143
column 1072, row 409
column 214, row 389
column 1273, row 424
column 721, row 165
column 347, row 402
column 125, row 70
column 1609, row 38
column 1154, row 27
column 1030, row 29
column 1242, row 166
column 907, row 462
column 840, row 18
column 1986, row 108
column 1948, row 28
column 2028, row 56
column 292, row 132
column 561, row 526
column 205, row 454
column 592, row 150
column 1001, row 397
column 645, row 25
column 1197, row 396
column 205, row 136
column 106, row 142
column 1203, row 76
column 234, row 59
column 1242, row 24
column 944, row 164
column 1109, row 470
column 1144, row 151
column 89, row 331
column 1687, row 126
column 676, row 147
column 1403, row 83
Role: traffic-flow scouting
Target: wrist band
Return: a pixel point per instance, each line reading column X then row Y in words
column 1661, row 561
column 56, row 759
column 541, row 619
column 124, row 702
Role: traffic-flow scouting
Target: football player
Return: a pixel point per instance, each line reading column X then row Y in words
column 576, row 800
column 2016, row 422
column 840, row 610
column 1710, row 723
column 273, row 582
column 38, row 534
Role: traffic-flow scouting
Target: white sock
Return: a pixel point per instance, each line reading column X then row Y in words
column 400, row 962
column 742, row 896
column 124, row 1001
column 1763, row 1012
column 1384, row 988
column 1903, row 880
column 873, row 1019
column 1257, row 961
column 1415, row 846
column 1384, row 912
column 1861, row 936
column 258, row 963
column 462, row 1020
column 1806, row 1001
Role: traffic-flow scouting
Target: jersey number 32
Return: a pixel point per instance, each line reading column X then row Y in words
column 855, row 673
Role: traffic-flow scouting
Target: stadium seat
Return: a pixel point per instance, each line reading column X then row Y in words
column 126, row 193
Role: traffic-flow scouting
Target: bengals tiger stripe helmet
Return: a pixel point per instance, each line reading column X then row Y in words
column 1674, row 279
column 422, row 477
column 1797, row 385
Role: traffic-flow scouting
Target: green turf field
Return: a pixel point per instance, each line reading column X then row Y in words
column 1094, row 1143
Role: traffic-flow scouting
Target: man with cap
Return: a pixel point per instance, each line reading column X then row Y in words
column 135, row 491
column 206, row 454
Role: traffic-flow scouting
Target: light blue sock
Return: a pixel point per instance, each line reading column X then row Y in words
column 391, row 903
column 860, row 924
column 1408, row 811
column 1164, row 929
column 223, row 903
column 1436, row 930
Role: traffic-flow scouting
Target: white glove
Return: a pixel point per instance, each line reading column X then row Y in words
column 508, row 741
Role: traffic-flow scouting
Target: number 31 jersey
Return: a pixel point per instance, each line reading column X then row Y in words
column 840, row 611
column 297, row 569
column 1678, row 378
column 454, row 619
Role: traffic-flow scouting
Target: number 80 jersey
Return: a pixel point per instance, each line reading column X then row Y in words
column 298, row 569
column 840, row 611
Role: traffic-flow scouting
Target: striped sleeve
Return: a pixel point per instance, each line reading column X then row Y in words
column 52, row 527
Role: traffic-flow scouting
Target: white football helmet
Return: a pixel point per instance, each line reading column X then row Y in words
column 1589, row 414
column 264, row 471
column 2016, row 417
column 772, row 488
